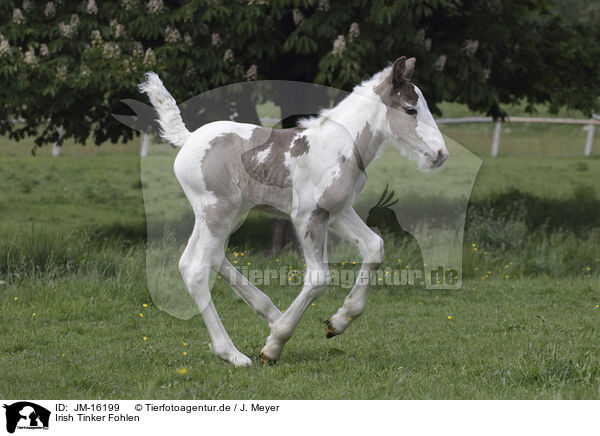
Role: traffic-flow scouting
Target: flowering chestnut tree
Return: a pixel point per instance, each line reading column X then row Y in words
column 70, row 63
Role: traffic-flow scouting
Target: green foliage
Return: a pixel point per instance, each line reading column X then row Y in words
column 69, row 64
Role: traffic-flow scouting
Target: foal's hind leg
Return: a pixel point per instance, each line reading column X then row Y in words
column 257, row 300
column 351, row 227
column 205, row 250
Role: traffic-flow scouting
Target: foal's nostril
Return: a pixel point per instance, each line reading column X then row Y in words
column 440, row 155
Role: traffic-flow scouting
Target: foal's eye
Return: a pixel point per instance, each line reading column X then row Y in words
column 411, row 111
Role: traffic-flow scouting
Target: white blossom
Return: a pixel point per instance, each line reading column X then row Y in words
column 470, row 46
column 118, row 30
column 49, row 10
column 4, row 46
column 44, row 50
column 339, row 45
column 252, row 72
column 138, row 50
column 85, row 71
column 96, row 38
column 323, row 5
column 28, row 5
column 486, row 73
column 129, row 5
column 30, row 58
column 228, row 56
column 216, row 39
column 111, row 50
column 188, row 39
column 354, row 32
column 69, row 30
column 172, row 34
column 18, row 17
column 91, row 7
column 297, row 16
column 155, row 6
column 61, row 73
column 149, row 58
column 440, row 63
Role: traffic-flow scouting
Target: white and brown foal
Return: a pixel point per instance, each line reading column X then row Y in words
column 311, row 173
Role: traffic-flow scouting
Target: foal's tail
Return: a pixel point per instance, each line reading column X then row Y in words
column 169, row 117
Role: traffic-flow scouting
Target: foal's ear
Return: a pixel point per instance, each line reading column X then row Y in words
column 402, row 70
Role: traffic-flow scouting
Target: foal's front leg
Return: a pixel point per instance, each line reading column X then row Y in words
column 351, row 227
column 312, row 232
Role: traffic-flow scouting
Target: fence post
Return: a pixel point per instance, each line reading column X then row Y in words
column 590, row 139
column 496, row 140
column 144, row 144
column 55, row 146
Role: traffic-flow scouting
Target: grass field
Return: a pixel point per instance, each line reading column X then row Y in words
column 524, row 325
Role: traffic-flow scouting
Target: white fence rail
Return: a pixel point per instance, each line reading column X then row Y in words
column 590, row 127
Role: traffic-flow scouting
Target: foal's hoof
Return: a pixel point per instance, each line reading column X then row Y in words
column 267, row 360
column 329, row 330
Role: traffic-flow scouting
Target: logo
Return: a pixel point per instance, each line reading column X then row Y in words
column 26, row 415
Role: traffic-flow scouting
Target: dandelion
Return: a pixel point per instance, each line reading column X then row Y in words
column 172, row 35
column 185, row 344
column 354, row 32
column 252, row 74
column 249, row 263
column 339, row 45
column 474, row 248
column 144, row 305
column 18, row 17
column 155, row 6
column 297, row 16
column 215, row 39
column 49, row 10
column 91, row 8
column 144, row 338
column 63, row 354
column 588, row 269
column 235, row 261
column 33, row 314
column 182, row 371
column 449, row 317
column 141, row 315
column 276, row 260
column 506, row 276
column 597, row 306
column 312, row 304
column 16, row 299
column 228, row 56
column 185, row 353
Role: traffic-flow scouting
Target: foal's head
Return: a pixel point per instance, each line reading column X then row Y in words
column 408, row 122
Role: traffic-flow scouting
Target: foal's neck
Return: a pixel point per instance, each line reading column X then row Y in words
column 361, row 115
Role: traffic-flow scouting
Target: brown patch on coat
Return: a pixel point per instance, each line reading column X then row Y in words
column 272, row 170
column 316, row 222
column 300, row 147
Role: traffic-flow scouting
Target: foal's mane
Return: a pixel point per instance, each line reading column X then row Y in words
column 364, row 90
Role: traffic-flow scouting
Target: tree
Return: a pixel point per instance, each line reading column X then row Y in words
column 70, row 63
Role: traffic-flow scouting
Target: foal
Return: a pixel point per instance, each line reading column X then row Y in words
column 311, row 173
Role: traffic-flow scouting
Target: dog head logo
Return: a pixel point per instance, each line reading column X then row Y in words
column 26, row 415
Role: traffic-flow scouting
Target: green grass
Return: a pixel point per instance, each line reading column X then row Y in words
column 515, row 338
column 72, row 251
